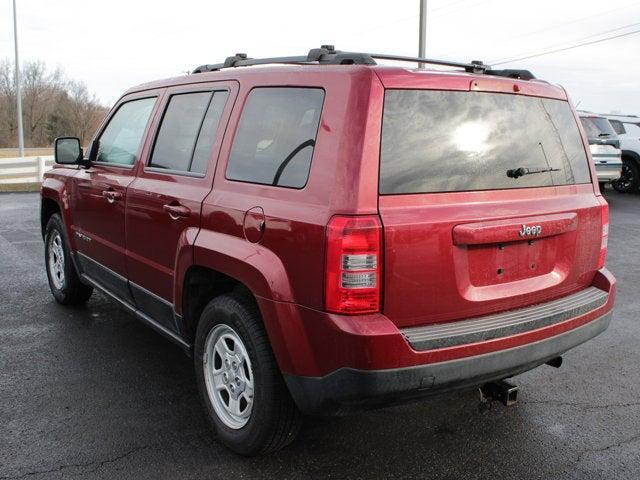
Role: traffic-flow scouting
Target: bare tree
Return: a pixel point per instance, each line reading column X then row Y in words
column 52, row 106
column 85, row 111
column 8, row 122
column 42, row 92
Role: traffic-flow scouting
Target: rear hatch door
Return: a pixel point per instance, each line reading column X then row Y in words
column 463, row 236
column 603, row 141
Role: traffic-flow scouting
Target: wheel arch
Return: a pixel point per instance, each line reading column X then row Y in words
column 245, row 269
column 53, row 199
column 48, row 207
column 201, row 285
column 630, row 154
column 257, row 268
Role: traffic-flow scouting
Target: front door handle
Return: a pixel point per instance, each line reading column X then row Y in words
column 111, row 195
column 177, row 211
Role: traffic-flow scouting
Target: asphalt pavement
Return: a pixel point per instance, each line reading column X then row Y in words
column 90, row 392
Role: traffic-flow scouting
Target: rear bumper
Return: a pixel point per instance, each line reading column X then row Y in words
column 608, row 172
column 349, row 389
column 336, row 363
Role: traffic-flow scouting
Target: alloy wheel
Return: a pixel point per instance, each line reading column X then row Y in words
column 56, row 260
column 228, row 376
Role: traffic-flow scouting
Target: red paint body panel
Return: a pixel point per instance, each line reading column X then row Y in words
column 447, row 281
column 441, row 252
column 97, row 218
column 153, row 233
column 430, row 80
column 96, row 215
column 342, row 180
column 316, row 343
column 55, row 188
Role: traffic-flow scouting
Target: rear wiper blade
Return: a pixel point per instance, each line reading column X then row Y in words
column 519, row 172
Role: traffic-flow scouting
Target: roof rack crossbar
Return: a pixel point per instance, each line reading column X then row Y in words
column 328, row 55
column 247, row 62
column 323, row 55
column 475, row 66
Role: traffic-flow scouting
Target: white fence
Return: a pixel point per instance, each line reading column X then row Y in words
column 24, row 170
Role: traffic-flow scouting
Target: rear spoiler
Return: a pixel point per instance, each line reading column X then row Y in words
column 511, row 73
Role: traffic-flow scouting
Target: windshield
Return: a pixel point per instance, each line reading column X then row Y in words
column 445, row 141
column 597, row 127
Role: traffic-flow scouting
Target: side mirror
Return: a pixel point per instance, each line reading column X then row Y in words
column 67, row 150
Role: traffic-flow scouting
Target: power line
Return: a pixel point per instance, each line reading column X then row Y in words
column 576, row 20
column 507, row 59
column 569, row 48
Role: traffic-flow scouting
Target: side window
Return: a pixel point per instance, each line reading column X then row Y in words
column 187, row 131
column 276, row 136
column 590, row 128
column 207, row 136
column 120, row 140
column 632, row 129
column 617, row 126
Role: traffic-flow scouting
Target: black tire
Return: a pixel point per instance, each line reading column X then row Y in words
column 602, row 186
column 68, row 289
column 629, row 181
column 274, row 419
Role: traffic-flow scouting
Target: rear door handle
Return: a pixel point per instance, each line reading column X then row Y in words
column 177, row 211
column 508, row 230
column 111, row 195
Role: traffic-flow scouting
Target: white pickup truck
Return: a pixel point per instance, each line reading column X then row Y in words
column 628, row 129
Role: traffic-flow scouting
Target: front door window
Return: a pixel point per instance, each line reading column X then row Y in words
column 120, row 141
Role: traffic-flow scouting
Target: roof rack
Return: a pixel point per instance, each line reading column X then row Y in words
column 619, row 115
column 328, row 55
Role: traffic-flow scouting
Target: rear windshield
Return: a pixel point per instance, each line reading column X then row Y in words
column 597, row 127
column 444, row 141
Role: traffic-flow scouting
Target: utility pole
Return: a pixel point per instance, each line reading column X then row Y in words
column 422, row 32
column 18, row 93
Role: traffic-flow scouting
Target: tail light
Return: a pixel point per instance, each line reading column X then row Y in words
column 353, row 265
column 605, row 232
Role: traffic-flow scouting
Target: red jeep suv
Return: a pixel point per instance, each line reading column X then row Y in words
column 324, row 234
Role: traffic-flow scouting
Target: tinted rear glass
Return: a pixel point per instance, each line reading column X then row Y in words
column 179, row 130
column 208, row 131
column 617, row 126
column 444, row 141
column 276, row 136
column 597, row 127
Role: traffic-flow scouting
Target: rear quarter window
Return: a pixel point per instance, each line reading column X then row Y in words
column 444, row 141
column 276, row 136
column 597, row 127
column 617, row 126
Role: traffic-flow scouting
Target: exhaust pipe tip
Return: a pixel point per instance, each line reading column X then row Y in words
column 502, row 391
column 555, row 362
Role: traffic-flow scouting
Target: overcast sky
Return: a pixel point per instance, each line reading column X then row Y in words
column 115, row 44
